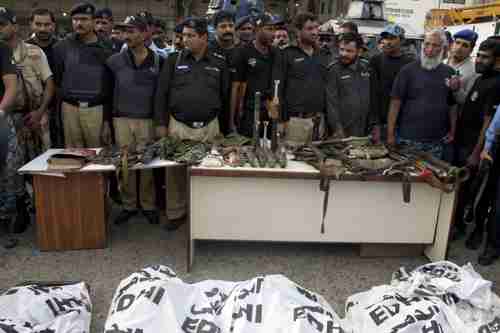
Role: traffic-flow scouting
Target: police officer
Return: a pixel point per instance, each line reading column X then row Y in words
column 178, row 42
column 349, row 90
column 12, row 192
column 245, row 31
column 192, row 91
column 43, row 26
column 83, row 80
column 253, row 64
column 34, row 91
column 104, row 28
column 135, row 74
column 302, row 76
column 223, row 44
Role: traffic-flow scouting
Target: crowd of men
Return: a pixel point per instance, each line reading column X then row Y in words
column 123, row 83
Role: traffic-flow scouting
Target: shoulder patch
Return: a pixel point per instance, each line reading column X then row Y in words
column 332, row 63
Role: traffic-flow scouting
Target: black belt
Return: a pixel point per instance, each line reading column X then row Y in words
column 305, row 115
column 82, row 104
column 195, row 124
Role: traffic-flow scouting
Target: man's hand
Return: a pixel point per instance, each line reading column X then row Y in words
column 391, row 139
column 105, row 134
column 473, row 159
column 449, row 138
column 376, row 134
column 454, row 82
column 283, row 128
column 485, row 155
column 161, row 132
column 32, row 119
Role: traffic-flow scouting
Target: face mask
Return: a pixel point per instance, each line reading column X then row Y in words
column 246, row 36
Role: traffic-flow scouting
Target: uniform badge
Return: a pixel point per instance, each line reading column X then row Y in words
column 182, row 67
column 299, row 59
column 345, row 77
column 474, row 96
column 215, row 69
column 365, row 74
column 252, row 62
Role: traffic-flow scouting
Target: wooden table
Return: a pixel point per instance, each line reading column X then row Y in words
column 71, row 206
column 286, row 205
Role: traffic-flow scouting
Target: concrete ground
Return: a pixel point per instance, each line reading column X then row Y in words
column 335, row 271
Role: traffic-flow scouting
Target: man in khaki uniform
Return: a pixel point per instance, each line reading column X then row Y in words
column 135, row 72
column 35, row 89
column 193, row 90
column 83, row 80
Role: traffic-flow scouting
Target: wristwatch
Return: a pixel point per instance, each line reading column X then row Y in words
column 2, row 113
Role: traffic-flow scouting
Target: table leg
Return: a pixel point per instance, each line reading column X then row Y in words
column 438, row 250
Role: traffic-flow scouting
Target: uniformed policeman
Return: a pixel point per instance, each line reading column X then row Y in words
column 192, row 91
column 104, row 28
column 83, row 80
column 43, row 27
column 12, row 207
column 253, row 64
column 349, row 90
column 135, row 72
column 301, row 74
column 34, row 91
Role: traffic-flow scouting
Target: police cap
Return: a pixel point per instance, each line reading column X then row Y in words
column 7, row 16
column 147, row 16
column 83, row 8
column 104, row 13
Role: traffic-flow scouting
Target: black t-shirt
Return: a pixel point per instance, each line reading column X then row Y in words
column 255, row 69
column 385, row 69
column 7, row 65
column 425, row 101
column 481, row 101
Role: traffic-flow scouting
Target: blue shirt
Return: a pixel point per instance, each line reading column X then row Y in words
column 490, row 132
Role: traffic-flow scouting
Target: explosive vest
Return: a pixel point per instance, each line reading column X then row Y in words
column 134, row 89
column 84, row 72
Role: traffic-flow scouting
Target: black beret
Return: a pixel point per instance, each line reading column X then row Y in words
column 223, row 15
column 83, row 8
column 104, row 13
column 198, row 24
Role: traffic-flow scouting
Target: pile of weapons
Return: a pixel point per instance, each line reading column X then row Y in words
column 358, row 157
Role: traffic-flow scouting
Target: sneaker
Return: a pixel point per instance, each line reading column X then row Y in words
column 152, row 216
column 124, row 216
column 488, row 256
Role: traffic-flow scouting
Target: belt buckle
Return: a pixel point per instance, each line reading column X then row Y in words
column 83, row 104
column 197, row 124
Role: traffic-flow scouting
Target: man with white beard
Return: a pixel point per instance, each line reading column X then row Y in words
column 420, row 112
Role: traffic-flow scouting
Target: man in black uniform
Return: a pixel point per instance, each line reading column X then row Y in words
column 84, row 81
column 253, row 64
column 349, row 90
column 223, row 44
column 135, row 72
column 192, row 91
column 43, row 27
column 477, row 112
column 302, row 77
column 385, row 67
column 104, row 28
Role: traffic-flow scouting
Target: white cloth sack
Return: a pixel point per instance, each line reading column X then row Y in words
column 155, row 300
column 46, row 308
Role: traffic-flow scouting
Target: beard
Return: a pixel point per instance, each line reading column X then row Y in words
column 429, row 63
column 483, row 69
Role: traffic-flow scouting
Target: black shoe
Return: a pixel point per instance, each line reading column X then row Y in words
column 124, row 216
column 488, row 256
column 174, row 224
column 474, row 240
column 10, row 243
column 152, row 216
